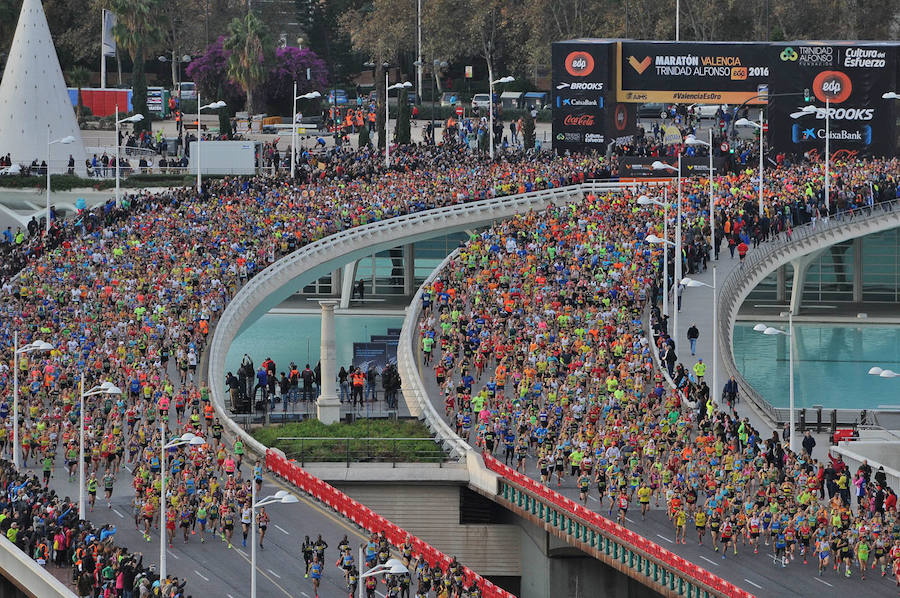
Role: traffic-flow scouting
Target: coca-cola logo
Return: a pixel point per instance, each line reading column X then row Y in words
column 833, row 86
column 579, row 64
column 579, row 120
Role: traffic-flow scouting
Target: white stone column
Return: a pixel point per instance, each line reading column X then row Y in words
column 328, row 405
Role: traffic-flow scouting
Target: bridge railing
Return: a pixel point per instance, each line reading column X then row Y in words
column 769, row 256
column 369, row 520
column 625, row 550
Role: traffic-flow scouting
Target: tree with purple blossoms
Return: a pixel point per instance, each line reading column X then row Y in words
column 290, row 65
column 210, row 72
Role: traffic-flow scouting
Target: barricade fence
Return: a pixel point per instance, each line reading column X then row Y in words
column 716, row 586
column 369, row 520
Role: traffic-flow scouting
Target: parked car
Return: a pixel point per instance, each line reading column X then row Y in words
column 652, row 110
column 481, row 100
column 450, row 98
column 707, row 110
column 14, row 170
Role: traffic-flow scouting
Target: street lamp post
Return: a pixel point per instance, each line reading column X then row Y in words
column 32, row 347
column 769, row 331
column 105, row 388
column 129, row 119
column 882, row 372
column 438, row 65
column 390, row 567
column 657, row 165
column 65, row 140
column 690, row 282
column 184, row 439
column 806, row 111
column 213, row 106
column 749, row 123
column 691, row 140
column 283, row 497
column 387, row 118
column 500, row 81
column 307, row 96
column 644, row 200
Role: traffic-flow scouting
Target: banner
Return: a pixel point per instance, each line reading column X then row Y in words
column 366, row 353
column 692, row 166
column 686, row 72
column 847, row 78
column 108, row 40
column 580, row 84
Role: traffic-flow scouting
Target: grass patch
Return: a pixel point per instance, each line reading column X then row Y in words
column 373, row 440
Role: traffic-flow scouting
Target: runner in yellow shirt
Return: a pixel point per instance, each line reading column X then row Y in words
column 643, row 494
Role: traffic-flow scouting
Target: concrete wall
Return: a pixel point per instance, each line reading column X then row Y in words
column 26, row 576
column 882, row 452
column 431, row 512
column 550, row 567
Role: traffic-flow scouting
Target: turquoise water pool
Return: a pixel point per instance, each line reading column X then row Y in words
column 296, row 338
column 831, row 365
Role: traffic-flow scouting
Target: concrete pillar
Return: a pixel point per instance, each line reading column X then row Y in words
column 348, row 277
column 328, row 405
column 336, row 282
column 780, row 284
column 801, row 265
column 409, row 269
column 857, row 270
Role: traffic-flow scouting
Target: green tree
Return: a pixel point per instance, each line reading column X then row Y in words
column 402, row 132
column 528, row 131
column 251, row 52
column 79, row 77
column 364, row 139
column 137, row 31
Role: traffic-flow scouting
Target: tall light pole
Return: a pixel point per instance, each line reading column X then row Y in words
column 419, row 66
column 213, row 106
column 283, row 497
column 807, row 111
column 691, row 140
column 657, row 165
column 690, row 282
column 390, row 567
column 32, row 347
column 677, row 20
column 184, row 439
column 769, row 331
column 128, row 119
column 307, row 96
column 65, row 140
column 500, row 81
column 644, row 200
column 749, row 123
column 387, row 118
column 105, row 388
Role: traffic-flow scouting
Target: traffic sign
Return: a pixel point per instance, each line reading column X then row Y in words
column 724, row 146
column 459, row 111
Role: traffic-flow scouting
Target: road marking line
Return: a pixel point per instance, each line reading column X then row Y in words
column 229, row 595
column 203, row 577
column 241, row 551
column 305, row 594
column 273, row 573
column 823, row 581
column 712, row 562
column 116, row 511
column 173, row 555
column 380, row 594
column 595, row 498
column 755, row 585
column 286, row 533
column 629, row 520
column 665, row 538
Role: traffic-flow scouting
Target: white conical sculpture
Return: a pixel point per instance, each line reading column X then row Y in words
column 34, row 101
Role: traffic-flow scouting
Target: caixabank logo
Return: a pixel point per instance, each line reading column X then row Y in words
column 579, row 64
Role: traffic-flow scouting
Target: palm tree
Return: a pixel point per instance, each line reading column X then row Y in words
column 138, row 31
column 250, row 52
column 79, row 77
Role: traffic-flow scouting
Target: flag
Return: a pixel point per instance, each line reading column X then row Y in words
column 108, row 42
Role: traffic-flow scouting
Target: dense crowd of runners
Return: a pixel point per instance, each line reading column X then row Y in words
column 535, row 331
column 128, row 294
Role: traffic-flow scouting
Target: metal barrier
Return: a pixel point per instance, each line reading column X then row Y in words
column 367, row 519
column 769, row 256
column 617, row 546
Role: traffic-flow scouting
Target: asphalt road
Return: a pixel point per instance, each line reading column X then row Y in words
column 756, row 573
column 214, row 570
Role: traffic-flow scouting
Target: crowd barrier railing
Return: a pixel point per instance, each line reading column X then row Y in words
column 653, row 564
column 369, row 520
